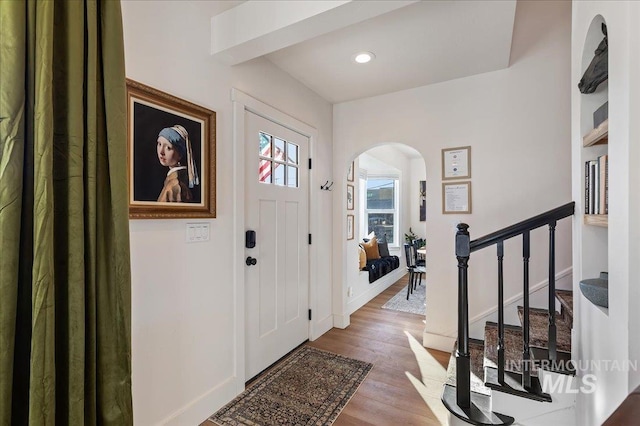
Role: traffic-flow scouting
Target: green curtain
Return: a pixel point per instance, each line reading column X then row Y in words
column 65, row 285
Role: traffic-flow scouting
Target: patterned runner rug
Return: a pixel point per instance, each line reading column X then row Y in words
column 308, row 387
column 415, row 304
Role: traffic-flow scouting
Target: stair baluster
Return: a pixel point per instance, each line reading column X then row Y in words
column 501, row 360
column 463, row 358
column 553, row 354
column 470, row 406
column 526, row 352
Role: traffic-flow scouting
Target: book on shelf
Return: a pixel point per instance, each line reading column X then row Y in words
column 593, row 184
column 596, row 185
column 603, row 188
column 587, row 189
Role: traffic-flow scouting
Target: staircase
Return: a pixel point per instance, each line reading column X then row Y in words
column 500, row 380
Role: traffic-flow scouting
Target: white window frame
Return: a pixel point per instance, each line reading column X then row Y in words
column 364, row 212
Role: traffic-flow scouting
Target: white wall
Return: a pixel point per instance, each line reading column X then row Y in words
column 517, row 122
column 608, row 334
column 185, row 310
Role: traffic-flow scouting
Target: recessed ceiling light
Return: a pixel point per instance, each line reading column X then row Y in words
column 363, row 57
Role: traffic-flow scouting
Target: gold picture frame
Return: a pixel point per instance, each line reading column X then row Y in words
column 153, row 192
column 456, row 163
column 456, row 197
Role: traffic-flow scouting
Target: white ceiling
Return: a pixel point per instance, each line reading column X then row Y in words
column 423, row 43
column 415, row 42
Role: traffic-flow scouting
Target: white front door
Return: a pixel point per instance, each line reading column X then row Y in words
column 277, row 209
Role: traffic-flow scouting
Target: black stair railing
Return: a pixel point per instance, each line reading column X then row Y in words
column 464, row 248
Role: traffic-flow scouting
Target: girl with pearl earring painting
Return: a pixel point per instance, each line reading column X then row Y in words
column 174, row 151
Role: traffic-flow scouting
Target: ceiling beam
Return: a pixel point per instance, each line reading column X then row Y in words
column 257, row 27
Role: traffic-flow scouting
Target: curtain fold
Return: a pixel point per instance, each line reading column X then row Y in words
column 65, row 301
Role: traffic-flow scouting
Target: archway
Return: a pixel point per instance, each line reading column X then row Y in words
column 381, row 193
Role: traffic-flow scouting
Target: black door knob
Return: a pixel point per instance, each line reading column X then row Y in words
column 251, row 261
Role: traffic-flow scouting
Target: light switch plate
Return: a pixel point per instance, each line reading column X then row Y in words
column 197, row 232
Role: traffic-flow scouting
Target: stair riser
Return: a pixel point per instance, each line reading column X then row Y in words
column 566, row 417
column 523, row 408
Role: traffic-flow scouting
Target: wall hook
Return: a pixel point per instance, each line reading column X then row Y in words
column 326, row 186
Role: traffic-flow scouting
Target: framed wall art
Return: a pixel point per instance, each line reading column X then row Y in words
column 171, row 156
column 350, row 195
column 350, row 226
column 456, row 163
column 350, row 173
column 423, row 200
column 456, row 197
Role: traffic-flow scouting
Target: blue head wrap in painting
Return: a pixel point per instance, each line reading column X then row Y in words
column 179, row 138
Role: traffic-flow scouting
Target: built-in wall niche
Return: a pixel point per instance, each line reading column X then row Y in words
column 594, row 241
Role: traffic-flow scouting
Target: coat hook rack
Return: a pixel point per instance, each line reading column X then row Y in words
column 327, row 186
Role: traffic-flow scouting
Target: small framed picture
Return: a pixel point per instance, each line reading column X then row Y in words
column 350, row 175
column 349, row 197
column 172, row 156
column 456, row 163
column 423, row 200
column 456, row 197
column 350, row 226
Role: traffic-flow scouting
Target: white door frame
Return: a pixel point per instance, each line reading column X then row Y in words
column 241, row 103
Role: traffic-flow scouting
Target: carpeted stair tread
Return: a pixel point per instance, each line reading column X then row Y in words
column 566, row 300
column 539, row 329
column 476, row 352
column 512, row 343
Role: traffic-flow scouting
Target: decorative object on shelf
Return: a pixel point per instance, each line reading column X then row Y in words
column 456, row 197
column 171, row 155
column 601, row 114
column 410, row 236
column 598, row 69
column 423, row 200
column 456, row 163
column 350, row 173
column 350, row 197
column 327, row 186
column 596, row 290
column 350, row 227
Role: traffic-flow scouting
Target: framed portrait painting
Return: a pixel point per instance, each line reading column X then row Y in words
column 171, row 156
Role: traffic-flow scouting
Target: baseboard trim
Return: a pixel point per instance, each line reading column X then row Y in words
column 199, row 410
column 341, row 321
column 378, row 287
column 438, row 341
column 321, row 327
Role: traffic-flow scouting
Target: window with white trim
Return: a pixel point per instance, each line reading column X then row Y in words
column 379, row 207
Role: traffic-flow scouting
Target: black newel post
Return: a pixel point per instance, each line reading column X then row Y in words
column 463, row 370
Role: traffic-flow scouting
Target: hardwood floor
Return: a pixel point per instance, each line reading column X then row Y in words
column 405, row 383
column 391, row 340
